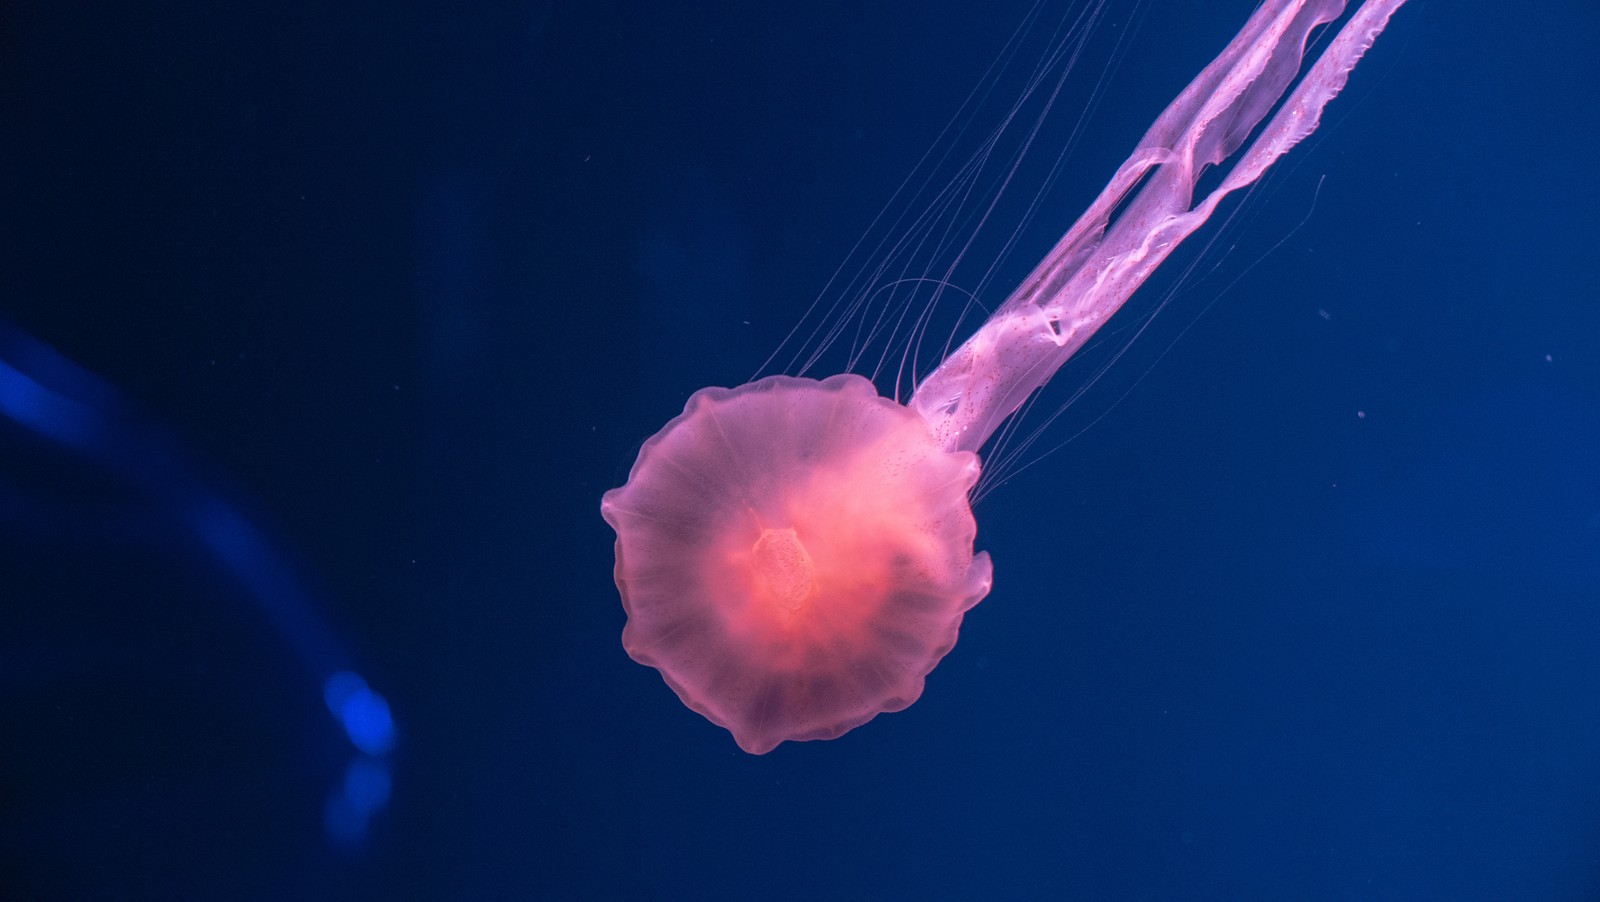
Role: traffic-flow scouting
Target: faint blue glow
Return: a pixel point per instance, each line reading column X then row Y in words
column 366, row 784
column 36, row 407
column 344, row 822
column 364, row 714
column 339, row 687
column 350, row 808
column 54, row 398
column 227, row 534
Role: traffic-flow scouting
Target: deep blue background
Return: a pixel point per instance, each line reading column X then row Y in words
column 1312, row 612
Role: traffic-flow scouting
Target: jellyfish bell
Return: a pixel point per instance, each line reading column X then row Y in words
column 795, row 556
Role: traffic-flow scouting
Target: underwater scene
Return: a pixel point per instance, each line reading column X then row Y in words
column 1045, row 449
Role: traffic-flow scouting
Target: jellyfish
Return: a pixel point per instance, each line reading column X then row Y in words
column 795, row 556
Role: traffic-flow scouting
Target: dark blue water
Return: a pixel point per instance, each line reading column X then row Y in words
column 356, row 311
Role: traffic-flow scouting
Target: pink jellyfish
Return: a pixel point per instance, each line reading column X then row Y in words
column 796, row 556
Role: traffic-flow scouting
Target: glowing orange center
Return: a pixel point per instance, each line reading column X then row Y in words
column 784, row 572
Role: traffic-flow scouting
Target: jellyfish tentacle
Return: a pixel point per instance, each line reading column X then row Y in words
column 1113, row 248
